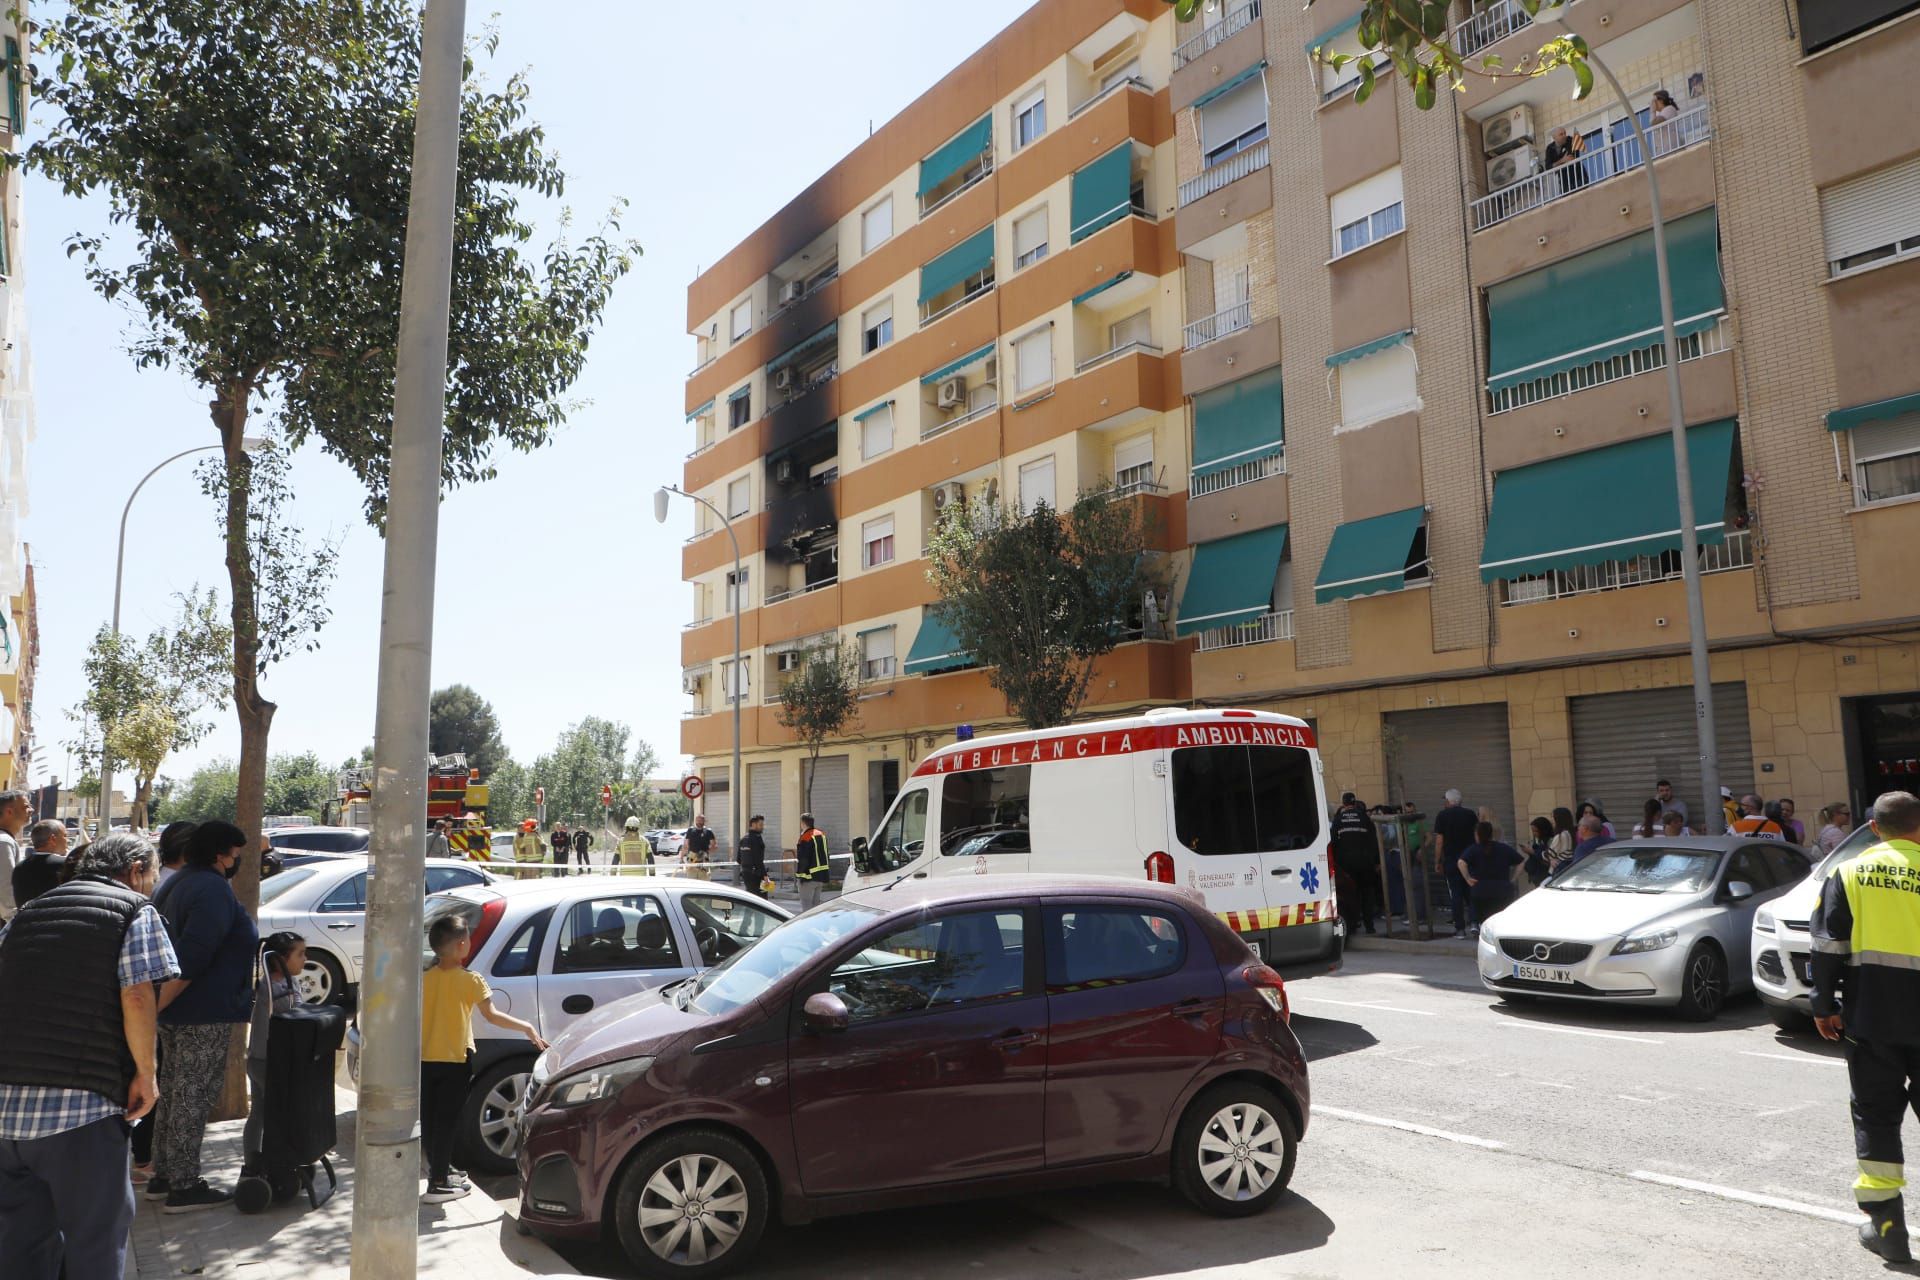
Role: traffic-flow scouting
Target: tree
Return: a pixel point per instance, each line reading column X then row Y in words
column 1039, row 598
column 509, row 793
column 295, row 784
column 461, row 720
column 300, row 784
column 819, row 702
column 142, row 738
column 210, row 791
column 588, row 756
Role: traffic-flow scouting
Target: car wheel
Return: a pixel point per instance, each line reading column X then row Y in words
column 1790, row 1020
column 693, row 1203
column 1703, row 984
column 1234, row 1153
column 323, row 981
column 490, row 1117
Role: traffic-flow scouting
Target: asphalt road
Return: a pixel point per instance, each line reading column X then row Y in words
column 1452, row 1135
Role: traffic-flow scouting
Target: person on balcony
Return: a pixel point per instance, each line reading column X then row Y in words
column 1567, row 153
column 1662, row 135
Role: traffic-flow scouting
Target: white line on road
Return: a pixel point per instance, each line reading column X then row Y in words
column 1751, row 1197
column 1793, row 1057
column 1407, row 1126
column 1576, row 1031
column 1782, row 1111
column 1356, row 1004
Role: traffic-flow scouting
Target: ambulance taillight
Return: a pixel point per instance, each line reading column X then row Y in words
column 1160, row 867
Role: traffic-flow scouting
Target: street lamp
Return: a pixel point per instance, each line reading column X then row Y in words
column 248, row 445
column 661, row 498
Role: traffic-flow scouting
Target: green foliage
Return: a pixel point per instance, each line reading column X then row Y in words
column 509, row 793
column 143, row 737
column 211, row 791
column 290, row 576
column 1039, row 598
column 589, row 755
column 300, row 784
column 180, row 667
column 296, row 784
column 819, row 702
column 461, row 720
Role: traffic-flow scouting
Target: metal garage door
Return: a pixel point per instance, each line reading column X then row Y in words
column 763, row 798
column 717, row 803
column 830, row 805
column 1623, row 743
column 1460, row 747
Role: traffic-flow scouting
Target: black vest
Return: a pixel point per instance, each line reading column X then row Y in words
column 60, row 989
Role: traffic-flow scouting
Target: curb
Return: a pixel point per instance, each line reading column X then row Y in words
column 1462, row 947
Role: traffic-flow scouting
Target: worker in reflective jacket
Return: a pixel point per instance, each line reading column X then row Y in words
column 635, row 851
column 1866, row 990
column 811, row 865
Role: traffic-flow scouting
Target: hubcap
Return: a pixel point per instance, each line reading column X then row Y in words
column 692, row 1209
column 500, row 1115
column 314, row 984
column 1241, row 1151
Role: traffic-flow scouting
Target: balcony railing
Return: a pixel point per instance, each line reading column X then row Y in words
column 1125, row 348
column 814, row 286
column 703, row 364
column 1231, row 24
column 1627, row 364
column 1127, row 484
column 702, row 447
column 962, row 301
column 1592, row 167
column 1218, row 325
column 1131, row 82
column 1268, row 464
column 933, row 429
column 1227, row 172
column 1264, row 629
column 1493, row 23
column 973, row 179
column 808, row 589
column 1588, row 579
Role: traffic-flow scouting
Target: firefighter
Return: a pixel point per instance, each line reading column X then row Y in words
column 1866, row 990
column 528, row 847
column 634, row 852
column 811, row 866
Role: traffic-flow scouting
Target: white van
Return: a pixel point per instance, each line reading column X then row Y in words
column 1230, row 803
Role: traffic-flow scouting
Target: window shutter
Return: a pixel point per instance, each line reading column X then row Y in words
column 1378, row 386
column 1887, row 439
column 1873, row 211
column 1029, row 233
column 1233, row 113
column 1137, row 452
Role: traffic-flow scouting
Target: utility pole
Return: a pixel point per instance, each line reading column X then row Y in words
column 386, row 1161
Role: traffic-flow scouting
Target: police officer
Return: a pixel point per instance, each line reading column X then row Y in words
column 752, row 856
column 698, row 850
column 635, row 851
column 1356, row 852
column 1866, row 989
column 811, row 865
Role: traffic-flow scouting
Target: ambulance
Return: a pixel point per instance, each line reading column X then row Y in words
column 1229, row 803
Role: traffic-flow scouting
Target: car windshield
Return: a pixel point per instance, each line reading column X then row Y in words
column 274, row 886
column 1639, row 868
column 745, row 975
column 1862, row 839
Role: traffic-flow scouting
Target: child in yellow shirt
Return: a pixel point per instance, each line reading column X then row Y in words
column 449, row 993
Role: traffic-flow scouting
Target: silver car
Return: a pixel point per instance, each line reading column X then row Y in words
column 1659, row 922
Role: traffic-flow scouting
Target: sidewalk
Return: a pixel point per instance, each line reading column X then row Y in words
column 474, row 1238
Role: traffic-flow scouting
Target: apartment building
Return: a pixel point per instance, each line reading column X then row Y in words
column 1391, row 386
column 19, row 621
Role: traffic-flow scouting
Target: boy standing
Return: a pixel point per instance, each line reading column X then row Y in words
column 449, row 993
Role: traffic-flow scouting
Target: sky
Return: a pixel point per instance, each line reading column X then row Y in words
column 559, row 596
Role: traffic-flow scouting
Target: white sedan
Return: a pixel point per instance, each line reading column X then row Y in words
column 325, row 902
column 1783, row 940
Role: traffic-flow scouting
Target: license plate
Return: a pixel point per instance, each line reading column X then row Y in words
column 1541, row 973
column 1803, row 966
column 1258, row 954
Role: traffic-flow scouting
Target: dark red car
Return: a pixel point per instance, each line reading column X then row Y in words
column 934, row 1040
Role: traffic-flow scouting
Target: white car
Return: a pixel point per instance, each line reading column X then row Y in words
column 1783, row 945
column 325, row 902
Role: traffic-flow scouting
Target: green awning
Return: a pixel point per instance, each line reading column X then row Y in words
column 870, row 410
column 1238, row 422
column 1368, row 556
column 966, row 147
column 1231, row 580
column 1333, row 33
column 1602, row 303
column 802, row 347
column 701, row 411
column 1847, row 419
column 1230, row 84
column 1102, row 192
column 1339, row 358
column 1100, row 288
column 739, row 393
column 952, row 367
column 968, row 258
column 935, row 648
column 1605, row 504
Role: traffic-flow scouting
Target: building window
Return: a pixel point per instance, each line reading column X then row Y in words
column 1337, row 80
column 1234, row 121
column 1367, row 211
column 1376, row 387
column 740, row 409
column 876, row 326
column 1133, row 463
column 1135, row 331
column 1033, row 360
column 1872, row 218
column 732, row 677
column 876, row 225
column 876, row 543
column 1029, row 117
column 740, row 320
column 1030, row 238
column 1886, row 459
column 876, row 654
column 739, row 497
column 736, row 589
column 876, row 432
column 1127, row 71
column 1036, row 485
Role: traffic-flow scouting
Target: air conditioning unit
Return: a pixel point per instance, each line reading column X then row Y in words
column 1509, row 129
column 783, row 378
column 785, row 471
column 792, row 291
column 1510, row 167
column 952, row 392
column 789, row 660
column 990, row 371
column 947, row 497
column 690, row 682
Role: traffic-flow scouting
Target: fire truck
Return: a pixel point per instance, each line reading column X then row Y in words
column 454, row 792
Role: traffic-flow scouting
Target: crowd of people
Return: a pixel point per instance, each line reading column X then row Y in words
column 634, row 854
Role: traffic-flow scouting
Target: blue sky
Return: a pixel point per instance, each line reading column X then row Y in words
column 559, row 596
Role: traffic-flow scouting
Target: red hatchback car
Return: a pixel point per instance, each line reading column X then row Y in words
column 931, row 1040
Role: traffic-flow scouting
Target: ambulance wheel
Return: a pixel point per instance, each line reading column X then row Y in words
column 252, row 1195
column 1234, row 1152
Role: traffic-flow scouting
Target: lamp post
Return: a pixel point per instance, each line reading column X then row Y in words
column 734, row 781
column 248, row 444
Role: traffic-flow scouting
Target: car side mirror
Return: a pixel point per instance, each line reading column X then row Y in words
column 824, row 1012
column 1739, row 890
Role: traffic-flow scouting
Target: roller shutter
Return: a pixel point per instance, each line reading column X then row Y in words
column 1623, row 743
column 763, row 797
column 830, row 801
column 717, row 804
column 1464, row 748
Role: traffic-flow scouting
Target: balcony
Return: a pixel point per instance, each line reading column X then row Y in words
column 792, row 593
column 1593, row 168
column 1124, row 349
column 1234, row 22
column 1265, row 629
column 814, row 406
column 791, row 520
column 1226, row 173
column 1627, row 364
column 1131, row 82
column 1613, row 575
column 1253, row 469
column 1489, row 26
column 1218, row 325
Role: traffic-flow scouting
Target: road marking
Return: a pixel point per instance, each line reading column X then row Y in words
column 1753, row 1198
column 1627, row 1097
column 1407, row 1126
column 1792, row 1057
column 1782, row 1111
column 1576, row 1031
column 1356, row 1004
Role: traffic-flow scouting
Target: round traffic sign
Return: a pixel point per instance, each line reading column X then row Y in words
column 606, row 795
column 691, row 787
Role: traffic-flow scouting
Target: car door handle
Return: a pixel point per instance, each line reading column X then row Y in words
column 1015, row 1039
column 1281, row 871
column 576, row 1004
column 1191, row 1007
column 344, row 924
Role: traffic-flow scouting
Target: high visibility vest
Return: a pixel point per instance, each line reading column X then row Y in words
column 811, row 854
column 1883, row 892
column 634, row 851
column 1760, row 826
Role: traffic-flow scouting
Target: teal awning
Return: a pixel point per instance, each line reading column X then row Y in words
column 872, row 409
column 1230, row 84
column 1333, row 33
column 739, row 393
column 952, row 367
column 1859, row 414
column 1602, row 303
column 1339, row 358
column 935, row 648
column 1102, row 192
column 968, row 258
column 966, row 147
column 1368, row 556
column 1605, row 504
column 1238, row 422
column 804, row 346
column 1231, row 580
column 1100, row 288
column 701, row 411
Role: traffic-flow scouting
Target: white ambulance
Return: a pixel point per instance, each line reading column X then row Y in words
column 1230, row 803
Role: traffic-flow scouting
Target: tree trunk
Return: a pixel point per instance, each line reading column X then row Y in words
column 142, row 794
